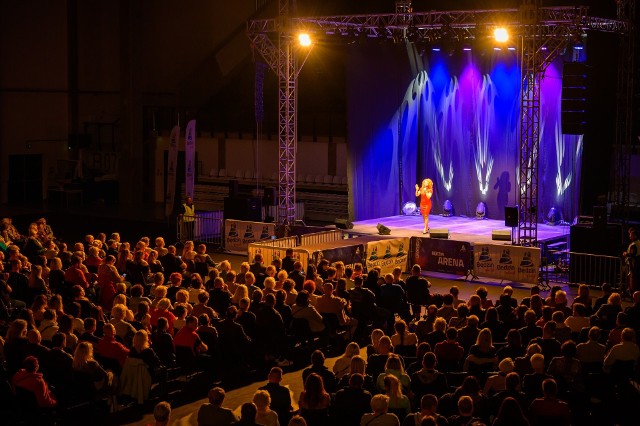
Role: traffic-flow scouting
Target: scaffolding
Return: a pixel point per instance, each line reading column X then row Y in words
column 543, row 32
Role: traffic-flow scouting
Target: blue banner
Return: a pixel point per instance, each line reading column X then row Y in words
column 441, row 255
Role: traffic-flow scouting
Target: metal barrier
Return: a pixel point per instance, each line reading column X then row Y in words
column 271, row 251
column 273, row 211
column 584, row 268
column 206, row 227
column 321, row 237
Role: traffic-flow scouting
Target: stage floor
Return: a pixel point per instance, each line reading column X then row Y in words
column 460, row 228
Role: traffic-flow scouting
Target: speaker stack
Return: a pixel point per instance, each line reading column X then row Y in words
column 575, row 78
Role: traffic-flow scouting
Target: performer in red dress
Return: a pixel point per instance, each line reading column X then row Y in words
column 425, row 192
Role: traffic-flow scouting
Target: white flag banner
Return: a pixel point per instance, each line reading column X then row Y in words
column 189, row 157
column 170, row 196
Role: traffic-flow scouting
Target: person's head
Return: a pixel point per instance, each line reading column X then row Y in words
column 82, row 355
column 628, row 335
column 262, row 400
column 506, row 366
column 314, row 387
column 358, row 365
column 393, row 363
column 537, row 362
column 384, row 345
column 561, row 298
column 275, row 375
column 392, row 386
column 416, row 270
column 614, row 299
column 328, row 288
column 514, row 339
column 380, row 404
column 163, row 324
column 191, row 322
column 428, row 404
column 352, row 350
column 89, row 325
column 510, row 410
column 512, row 381
column 162, row 413
column 463, row 311
column 558, row 317
column 549, row 388
column 59, row 340
column 440, row 324
column 549, row 329
column 429, row 361
column 317, row 358
column 452, row 334
column 533, row 348
column 583, row 291
column 302, row 298
column 569, row 349
column 473, row 321
column 108, row 330
column 465, row 406
column 356, row 380
column 30, row 364
column 297, row 421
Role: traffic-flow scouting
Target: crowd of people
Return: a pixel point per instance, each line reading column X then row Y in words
column 108, row 318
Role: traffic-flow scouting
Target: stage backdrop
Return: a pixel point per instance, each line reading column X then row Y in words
column 453, row 118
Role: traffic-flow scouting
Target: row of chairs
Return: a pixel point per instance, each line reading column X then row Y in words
column 302, row 178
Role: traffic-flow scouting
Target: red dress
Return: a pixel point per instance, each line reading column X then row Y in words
column 425, row 203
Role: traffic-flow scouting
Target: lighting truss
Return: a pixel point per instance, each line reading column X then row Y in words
column 543, row 31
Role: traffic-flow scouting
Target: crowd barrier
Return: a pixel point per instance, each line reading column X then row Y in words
column 321, row 237
column 276, row 249
column 204, row 227
column 584, row 268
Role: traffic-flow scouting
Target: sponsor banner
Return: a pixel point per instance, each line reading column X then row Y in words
column 270, row 253
column 189, row 157
column 350, row 255
column 170, row 196
column 239, row 234
column 440, row 255
column 388, row 254
column 513, row 263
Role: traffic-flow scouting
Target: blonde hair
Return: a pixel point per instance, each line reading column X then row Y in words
column 392, row 386
column 262, row 399
column 269, row 283
column 140, row 340
column 380, row 403
column 282, row 275
column 82, row 355
column 160, row 291
column 485, row 339
column 118, row 311
column 352, row 350
column 55, row 264
column 375, row 338
column 163, row 304
column 440, row 324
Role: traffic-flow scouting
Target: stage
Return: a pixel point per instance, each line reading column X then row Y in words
column 461, row 228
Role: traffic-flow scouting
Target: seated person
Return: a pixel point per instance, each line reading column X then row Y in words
column 31, row 381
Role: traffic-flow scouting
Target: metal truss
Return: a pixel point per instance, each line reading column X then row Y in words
column 543, row 32
column 621, row 170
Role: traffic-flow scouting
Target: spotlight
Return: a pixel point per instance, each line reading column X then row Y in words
column 501, row 35
column 304, row 39
column 578, row 46
column 447, row 209
column 409, row 209
column 466, row 48
column 511, row 48
column 481, row 210
column 554, row 217
column 383, row 230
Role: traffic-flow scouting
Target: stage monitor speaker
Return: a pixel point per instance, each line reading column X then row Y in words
column 442, row 233
column 575, row 79
column 269, row 198
column 511, row 217
column 343, row 223
column 383, row 230
column 501, row 235
column 233, row 188
column 600, row 217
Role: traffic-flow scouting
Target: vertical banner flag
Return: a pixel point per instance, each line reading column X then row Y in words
column 170, row 196
column 388, row 254
column 189, row 157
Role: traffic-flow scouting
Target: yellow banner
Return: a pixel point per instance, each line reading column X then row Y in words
column 388, row 254
column 513, row 263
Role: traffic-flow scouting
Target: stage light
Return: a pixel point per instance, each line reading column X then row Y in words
column 383, row 230
column 435, row 49
column 409, row 209
column 578, row 46
column 554, row 217
column 481, row 210
column 511, row 48
column 497, row 48
column 466, row 48
column 501, row 35
column 447, row 209
column 304, row 39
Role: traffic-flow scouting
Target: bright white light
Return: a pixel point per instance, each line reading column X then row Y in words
column 501, row 35
column 304, row 40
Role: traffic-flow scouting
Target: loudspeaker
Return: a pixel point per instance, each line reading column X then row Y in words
column 383, row 230
column 233, row 188
column 439, row 233
column 269, row 198
column 343, row 223
column 240, row 208
column 599, row 216
column 575, row 77
column 501, row 235
column 511, row 217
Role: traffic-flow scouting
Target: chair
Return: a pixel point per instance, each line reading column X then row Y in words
column 135, row 380
column 301, row 331
column 334, row 328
